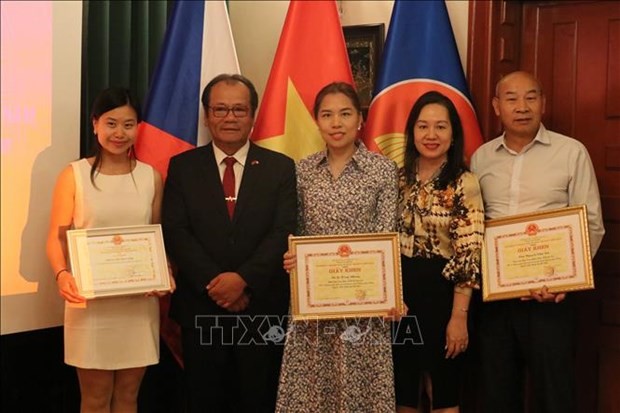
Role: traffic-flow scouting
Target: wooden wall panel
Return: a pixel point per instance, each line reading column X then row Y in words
column 613, row 69
column 564, row 55
column 574, row 49
column 493, row 51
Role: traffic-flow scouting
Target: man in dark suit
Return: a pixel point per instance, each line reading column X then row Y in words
column 228, row 209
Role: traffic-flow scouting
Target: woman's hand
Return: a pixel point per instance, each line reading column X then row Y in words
column 173, row 286
column 290, row 261
column 173, row 283
column 457, row 338
column 68, row 289
column 395, row 315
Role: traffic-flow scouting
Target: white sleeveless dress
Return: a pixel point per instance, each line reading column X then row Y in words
column 119, row 332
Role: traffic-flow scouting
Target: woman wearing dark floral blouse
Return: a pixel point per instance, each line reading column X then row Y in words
column 344, row 189
column 441, row 224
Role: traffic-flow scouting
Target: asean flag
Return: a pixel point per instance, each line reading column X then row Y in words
column 420, row 55
column 311, row 53
column 198, row 45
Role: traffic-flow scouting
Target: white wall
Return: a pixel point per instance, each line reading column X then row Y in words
column 256, row 27
column 41, row 61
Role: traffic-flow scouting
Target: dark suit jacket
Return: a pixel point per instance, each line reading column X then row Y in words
column 203, row 242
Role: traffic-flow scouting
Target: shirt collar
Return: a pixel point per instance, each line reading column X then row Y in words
column 359, row 158
column 541, row 137
column 240, row 156
column 434, row 178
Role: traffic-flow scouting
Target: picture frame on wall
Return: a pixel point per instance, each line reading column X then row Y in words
column 364, row 47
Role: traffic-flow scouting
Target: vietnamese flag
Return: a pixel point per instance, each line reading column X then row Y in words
column 311, row 53
column 420, row 55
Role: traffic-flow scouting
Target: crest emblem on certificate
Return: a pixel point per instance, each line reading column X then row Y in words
column 531, row 229
column 344, row 251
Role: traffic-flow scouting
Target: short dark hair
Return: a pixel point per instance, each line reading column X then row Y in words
column 337, row 87
column 230, row 79
column 455, row 156
column 107, row 100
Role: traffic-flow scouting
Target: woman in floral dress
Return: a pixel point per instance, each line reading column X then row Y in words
column 344, row 189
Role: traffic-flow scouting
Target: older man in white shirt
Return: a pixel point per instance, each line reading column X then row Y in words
column 529, row 168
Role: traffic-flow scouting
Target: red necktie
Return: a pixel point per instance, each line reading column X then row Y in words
column 229, row 185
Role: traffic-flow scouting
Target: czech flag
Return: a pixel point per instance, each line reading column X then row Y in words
column 198, row 46
column 420, row 55
column 311, row 53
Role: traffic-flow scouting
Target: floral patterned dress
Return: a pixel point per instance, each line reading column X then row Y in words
column 341, row 365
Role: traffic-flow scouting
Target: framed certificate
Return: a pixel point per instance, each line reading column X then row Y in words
column 118, row 260
column 346, row 276
column 526, row 252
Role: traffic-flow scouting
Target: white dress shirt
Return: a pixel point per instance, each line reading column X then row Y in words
column 553, row 171
column 240, row 156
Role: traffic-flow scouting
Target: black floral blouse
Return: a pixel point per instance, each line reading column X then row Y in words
column 445, row 223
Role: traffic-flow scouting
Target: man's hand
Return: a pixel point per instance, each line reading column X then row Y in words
column 544, row 296
column 240, row 305
column 226, row 288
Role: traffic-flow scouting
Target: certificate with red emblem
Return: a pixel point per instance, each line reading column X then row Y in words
column 344, row 276
column 528, row 251
column 118, row 260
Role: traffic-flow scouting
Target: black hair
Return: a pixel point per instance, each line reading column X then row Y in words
column 455, row 163
column 230, row 79
column 110, row 99
column 333, row 88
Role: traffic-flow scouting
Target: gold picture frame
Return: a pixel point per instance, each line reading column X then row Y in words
column 525, row 252
column 364, row 47
column 116, row 261
column 346, row 276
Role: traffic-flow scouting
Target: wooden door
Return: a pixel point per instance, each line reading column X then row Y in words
column 573, row 47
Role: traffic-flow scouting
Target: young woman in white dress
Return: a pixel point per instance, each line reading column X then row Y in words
column 109, row 340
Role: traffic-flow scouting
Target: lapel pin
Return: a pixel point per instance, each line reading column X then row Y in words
column 254, row 162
